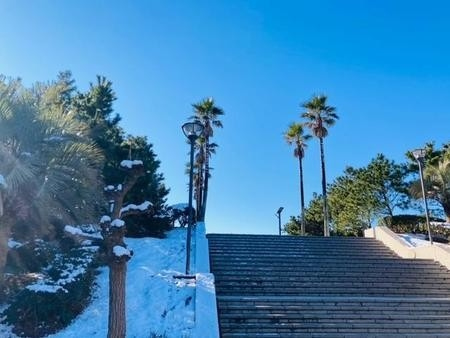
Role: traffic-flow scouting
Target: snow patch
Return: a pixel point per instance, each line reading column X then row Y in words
column 157, row 304
column 118, row 223
column 12, row 244
column 3, row 182
column 180, row 206
column 130, row 164
column 120, row 251
column 414, row 240
column 45, row 288
column 78, row 232
column 105, row 219
column 113, row 188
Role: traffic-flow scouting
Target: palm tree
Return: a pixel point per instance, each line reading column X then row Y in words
column 295, row 135
column 436, row 178
column 207, row 113
column 319, row 117
column 50, row 168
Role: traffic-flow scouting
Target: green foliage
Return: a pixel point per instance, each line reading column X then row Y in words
column 31, row 257
column 295, row 135
column 360, row 196
column 96, row 109
column 207, row 114
column 38, row 313
column 293, row 227
column 436, row 176
column 50, row 166
column 319, row 116
column 313, row 219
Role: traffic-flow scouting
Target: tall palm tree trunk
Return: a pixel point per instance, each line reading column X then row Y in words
column 199, row 199
column 302, row 196
column 205, row 183
column 326, row 230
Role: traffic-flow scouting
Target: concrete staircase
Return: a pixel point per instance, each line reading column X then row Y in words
column 285, row 286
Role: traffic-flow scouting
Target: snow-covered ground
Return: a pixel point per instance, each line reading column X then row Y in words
column 157, row 304
column 414, row 240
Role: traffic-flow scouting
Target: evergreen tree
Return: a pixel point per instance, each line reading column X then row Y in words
column 313, row 219
column 96, row 108
column 359, row 196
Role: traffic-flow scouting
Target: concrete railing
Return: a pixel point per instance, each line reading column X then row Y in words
column 438, row 252
column 206, row 319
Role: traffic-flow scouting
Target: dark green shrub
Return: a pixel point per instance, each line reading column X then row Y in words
column 147, row 226
column 35, row 312
column 30, row 257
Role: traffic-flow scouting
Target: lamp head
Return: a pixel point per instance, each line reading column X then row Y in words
column 280, row 209
column 192, row 130
column 419, row 154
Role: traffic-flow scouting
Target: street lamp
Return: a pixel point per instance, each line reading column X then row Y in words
column 192, row 130
column 419, row 155
column 280, row 209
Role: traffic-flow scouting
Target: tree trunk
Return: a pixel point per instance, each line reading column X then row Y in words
column 117, row 318
column 199, row 197
column 326, row 230
column 5, row 233
column 446, row 206
column 302, row 196
column 202, row 212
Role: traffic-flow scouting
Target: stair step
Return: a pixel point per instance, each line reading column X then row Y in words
column 287, row 286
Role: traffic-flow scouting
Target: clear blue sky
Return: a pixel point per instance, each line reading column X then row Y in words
column 385, row 65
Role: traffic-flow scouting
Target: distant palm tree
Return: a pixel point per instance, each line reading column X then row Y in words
column 295, row 135
column 207, row 113
column 319, row 117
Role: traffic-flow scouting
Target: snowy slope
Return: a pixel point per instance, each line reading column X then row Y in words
column 157, row 304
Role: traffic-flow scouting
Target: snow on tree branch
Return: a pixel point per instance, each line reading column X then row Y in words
column 118, row 223
column 120, row 251
column 105, row 219
column 131, row 163
column 78, row 232
column 132, row 209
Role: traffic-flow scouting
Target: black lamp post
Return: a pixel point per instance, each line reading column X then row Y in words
column 419, row 155
column 280, row 209
column 192, row 130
